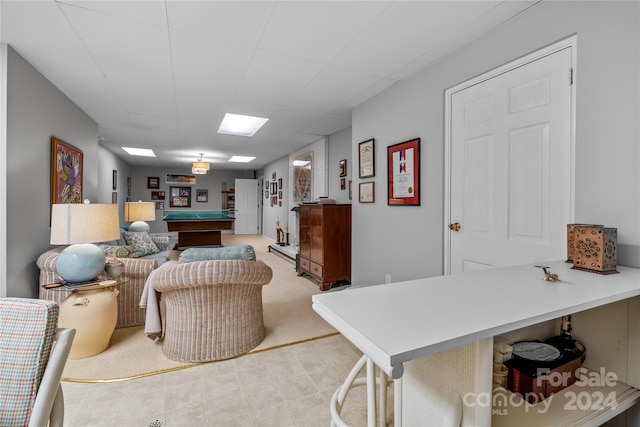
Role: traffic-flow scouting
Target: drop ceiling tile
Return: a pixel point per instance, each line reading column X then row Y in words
column 145, row 98
column 23, row 24
column 123, row 48
column 294, row 27
column 233, row 21
column 404, row 31
column 275, row 78
column 148, row 11
column 331, row 88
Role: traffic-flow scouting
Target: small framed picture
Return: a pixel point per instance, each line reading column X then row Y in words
column 343, row 184
column 266, row 194
column 153, row 182
column 157, row 195
column 114, row 178
column 160, row 206
column 343, row 167
column 367, row 192
column 279, row 183
column 114, row 197
column 280, row 194
column 350, row 190
column 202, row 195
column 128, row 182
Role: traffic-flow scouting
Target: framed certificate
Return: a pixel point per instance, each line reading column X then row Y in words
column 366, row 159
column 367, row 192
column 403, row 162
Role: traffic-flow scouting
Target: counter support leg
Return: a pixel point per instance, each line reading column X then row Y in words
column 397, row 402
column 382, row 398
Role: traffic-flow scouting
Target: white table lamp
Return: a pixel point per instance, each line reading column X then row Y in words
column 81, row 225
column 139, row 212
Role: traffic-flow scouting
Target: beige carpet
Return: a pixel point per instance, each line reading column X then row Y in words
column 288, row 319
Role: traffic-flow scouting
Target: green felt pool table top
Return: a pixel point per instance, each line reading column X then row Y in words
column 197, row 216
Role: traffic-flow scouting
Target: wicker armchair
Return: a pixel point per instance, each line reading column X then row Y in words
column 136, row 271
column 213, row 308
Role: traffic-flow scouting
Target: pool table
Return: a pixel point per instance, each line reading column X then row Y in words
column 198, row 228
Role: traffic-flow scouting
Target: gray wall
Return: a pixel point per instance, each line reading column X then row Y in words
column 37, row 110
column 339, row 149
column 407, row 242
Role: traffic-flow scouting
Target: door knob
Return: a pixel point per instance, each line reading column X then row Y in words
column 455, row 226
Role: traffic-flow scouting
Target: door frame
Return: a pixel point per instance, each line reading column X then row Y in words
column 570, row 42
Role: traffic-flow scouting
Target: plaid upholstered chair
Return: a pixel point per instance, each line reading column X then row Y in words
column 213, row 308
column 32, row 356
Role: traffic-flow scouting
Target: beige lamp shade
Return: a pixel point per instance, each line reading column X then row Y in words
column 81, row 225
column 139, row 211
column 199, row 167
column 84, row 223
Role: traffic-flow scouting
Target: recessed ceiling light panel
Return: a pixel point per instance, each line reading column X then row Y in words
column 237, row 124
column 241, row 159
column 143, row 152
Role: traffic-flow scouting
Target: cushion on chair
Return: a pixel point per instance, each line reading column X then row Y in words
column 27, row 334
column 141, row 242
column 242, row 252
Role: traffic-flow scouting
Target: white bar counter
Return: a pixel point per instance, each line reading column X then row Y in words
column 400, row 322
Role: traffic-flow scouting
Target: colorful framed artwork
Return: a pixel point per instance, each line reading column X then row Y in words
column 202, row 195
column 367, row 192
column 67, row 164
column 366, row 159
column 180, row 197
column 153, row 182
column 403, row 173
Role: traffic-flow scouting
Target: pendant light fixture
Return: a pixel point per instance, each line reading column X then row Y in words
column 200, row 167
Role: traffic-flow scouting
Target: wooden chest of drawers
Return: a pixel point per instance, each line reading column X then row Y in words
column 325, row 243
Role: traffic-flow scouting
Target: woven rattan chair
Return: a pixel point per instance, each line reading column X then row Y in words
column 34, row 352
column 213, row 308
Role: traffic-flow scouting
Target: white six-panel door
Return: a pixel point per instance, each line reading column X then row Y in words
column 246, row 206
column 511, row 166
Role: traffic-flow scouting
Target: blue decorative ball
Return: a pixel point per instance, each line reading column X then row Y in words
column 80, row 262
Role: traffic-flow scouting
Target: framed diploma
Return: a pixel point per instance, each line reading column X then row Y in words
column 367, row 192
column 366, row 159
column 403, row 162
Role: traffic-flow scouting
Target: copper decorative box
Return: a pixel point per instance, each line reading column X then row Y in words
column 595, row 249
column 571, row 229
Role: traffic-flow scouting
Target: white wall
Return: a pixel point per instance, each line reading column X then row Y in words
column 407, row 242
